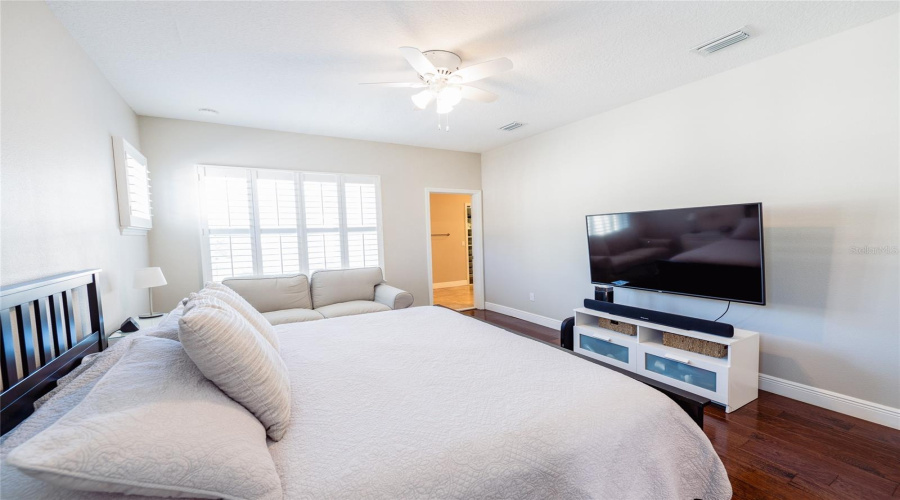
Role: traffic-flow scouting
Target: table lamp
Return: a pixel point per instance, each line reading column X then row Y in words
column 148, row 278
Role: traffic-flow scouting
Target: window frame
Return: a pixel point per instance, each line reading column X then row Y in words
column 129, row 223
column 302, row 232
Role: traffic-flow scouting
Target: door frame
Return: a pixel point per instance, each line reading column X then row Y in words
column 477, row 242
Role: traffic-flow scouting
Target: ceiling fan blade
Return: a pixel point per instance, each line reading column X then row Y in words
column 475, row 94
column 418, row 61
column 411, row 85
column 484, row 70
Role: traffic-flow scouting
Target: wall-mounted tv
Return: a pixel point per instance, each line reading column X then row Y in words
column 712, row 252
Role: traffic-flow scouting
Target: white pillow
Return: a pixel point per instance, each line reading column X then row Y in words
column 234, row 356
column 154, row 426
column 230, row 297
column 168, row 327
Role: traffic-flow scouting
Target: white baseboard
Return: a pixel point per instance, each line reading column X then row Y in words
column 448, row 284
column 841, row 403
column 524, row 315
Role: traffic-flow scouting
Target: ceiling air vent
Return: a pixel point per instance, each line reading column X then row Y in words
column 722, row 42
column 509, row 127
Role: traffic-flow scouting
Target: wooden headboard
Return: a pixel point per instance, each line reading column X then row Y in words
column 48, row 326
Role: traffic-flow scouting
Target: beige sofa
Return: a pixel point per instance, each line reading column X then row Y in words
column 327, row 294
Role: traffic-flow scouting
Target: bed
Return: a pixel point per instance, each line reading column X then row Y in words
column 425, row 402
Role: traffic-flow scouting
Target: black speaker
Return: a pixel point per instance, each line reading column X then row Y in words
column 567, row 334
column 130, row 325
column 604, row 293
column 667, row 319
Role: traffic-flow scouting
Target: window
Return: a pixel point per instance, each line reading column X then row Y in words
column 133, row 188
column 271, row 222
column 605, row 224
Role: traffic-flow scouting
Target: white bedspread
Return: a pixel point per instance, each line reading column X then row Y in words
column 427, row 403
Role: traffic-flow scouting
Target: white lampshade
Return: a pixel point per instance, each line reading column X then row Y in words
column 149, row 277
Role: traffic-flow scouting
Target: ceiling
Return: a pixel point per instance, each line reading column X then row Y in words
column 296, row 66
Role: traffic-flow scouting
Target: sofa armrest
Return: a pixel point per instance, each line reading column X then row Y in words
column 392, row 297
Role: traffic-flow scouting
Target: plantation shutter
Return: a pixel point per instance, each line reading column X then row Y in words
column 274, row 222
column 132, row 188
column 138, row 187
column 361, row 203
column 227, row 203
column 279, row 244
column 323, row 221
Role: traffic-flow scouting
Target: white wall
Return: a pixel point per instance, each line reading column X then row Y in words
column 812, row 133
column 58, row 193
column 174, row 147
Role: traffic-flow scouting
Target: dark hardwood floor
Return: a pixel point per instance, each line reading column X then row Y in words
column 777, row 447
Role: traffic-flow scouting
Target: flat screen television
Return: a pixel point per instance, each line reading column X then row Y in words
column 712, row 252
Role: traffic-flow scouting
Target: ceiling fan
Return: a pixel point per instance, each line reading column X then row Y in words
column 444, row 82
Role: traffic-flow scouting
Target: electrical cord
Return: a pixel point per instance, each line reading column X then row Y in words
column 724, row 313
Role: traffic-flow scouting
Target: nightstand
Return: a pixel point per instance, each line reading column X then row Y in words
column 143, row 322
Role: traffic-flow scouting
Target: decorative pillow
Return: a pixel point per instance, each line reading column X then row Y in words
column 168, row 327
column 154, row 426
column 235, row 357
column 230, row 297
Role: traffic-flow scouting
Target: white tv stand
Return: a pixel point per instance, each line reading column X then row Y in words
column 732, row 381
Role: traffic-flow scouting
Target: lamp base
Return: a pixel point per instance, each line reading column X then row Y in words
column 150, row 315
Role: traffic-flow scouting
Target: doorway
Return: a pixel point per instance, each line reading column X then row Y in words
column 454, row 249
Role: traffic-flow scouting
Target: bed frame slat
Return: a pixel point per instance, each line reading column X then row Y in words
column 26, row 339
column 96, row 310
column 70, row 317
column 42, row 327
column 57, row 320
column 44, row 344
column 10, row 374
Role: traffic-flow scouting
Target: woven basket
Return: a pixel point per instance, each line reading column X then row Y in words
column 691, row 344
column 618, row 326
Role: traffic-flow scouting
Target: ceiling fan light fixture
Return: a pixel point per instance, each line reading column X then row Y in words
column 422, row 99
column 443, row 107
column 438, row 72
column 450, row 94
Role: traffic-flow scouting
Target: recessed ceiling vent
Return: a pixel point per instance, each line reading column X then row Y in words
column 722, row 42
column 509, row 127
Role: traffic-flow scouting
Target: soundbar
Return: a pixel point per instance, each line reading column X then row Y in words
column 661, row 318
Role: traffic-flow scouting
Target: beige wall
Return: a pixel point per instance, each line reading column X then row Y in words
column 174, row 147
column 59, row 209
column 812, row 133
column 449, row 254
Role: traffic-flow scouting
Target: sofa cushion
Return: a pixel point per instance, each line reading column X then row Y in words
column 273, row 293
column 292, row 316
column 344, row 285
column 352, row 307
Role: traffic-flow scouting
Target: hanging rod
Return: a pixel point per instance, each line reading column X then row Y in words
column 440, row 234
